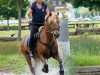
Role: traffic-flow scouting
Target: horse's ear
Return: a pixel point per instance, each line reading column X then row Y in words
column 58, row 13
column 50, row 14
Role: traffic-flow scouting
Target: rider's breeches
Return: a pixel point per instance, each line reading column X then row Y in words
column 33, row 30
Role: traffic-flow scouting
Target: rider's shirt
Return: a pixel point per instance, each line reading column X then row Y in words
column 38, row 14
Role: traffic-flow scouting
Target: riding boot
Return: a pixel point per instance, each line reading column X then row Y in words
column 31, row 53
column 32, row 46
column 33, row 31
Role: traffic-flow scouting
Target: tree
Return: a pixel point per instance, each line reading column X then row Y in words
column 91, row 4
column 7, row 12
column 81, row 11
column 19, row 4
column 50, row 5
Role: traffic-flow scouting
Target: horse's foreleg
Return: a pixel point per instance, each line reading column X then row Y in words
column 28, row 59
column 45, row 68
column 60, row 64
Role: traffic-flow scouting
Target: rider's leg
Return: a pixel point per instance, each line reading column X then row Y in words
column 33, row 30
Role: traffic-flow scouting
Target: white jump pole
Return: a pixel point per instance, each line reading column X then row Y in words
column 64, row 44
column 63, row 40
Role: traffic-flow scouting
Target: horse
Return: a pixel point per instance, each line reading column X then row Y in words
column 46, row 46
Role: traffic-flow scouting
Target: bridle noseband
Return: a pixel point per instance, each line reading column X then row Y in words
column 51, row 30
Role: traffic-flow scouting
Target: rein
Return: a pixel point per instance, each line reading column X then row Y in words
column 50, row 45
column 51, row 30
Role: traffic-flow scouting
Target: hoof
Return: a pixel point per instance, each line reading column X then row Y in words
column 45, row 69
column 61, row 72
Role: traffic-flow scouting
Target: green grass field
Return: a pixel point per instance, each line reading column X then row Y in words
column 85, row 50
column 8, row 33
column 84, row 22
column 11, row 58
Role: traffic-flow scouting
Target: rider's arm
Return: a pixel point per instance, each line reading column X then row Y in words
column 28, row 13
column 47, row 10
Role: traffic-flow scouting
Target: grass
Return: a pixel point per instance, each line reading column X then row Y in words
column 24, row 32
column 72, row 29
column 86, row 60
column 88, row 45
column 23, row 24
column 11, row 58
column 85, row 22
column 85, row 50
column 8, row 33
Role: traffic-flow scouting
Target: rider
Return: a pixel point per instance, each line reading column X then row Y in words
column 38, row 10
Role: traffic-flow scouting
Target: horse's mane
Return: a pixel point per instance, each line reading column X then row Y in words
column 50, row 16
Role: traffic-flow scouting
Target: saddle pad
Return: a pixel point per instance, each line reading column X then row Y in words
column 27, row 40
column 40, row 28
column 36, row 36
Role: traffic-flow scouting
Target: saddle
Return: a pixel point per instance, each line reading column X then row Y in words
column 36, row 37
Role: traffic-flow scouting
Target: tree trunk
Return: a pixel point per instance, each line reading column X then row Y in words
column 50, row 5
column 8, row 25
column 19, row 23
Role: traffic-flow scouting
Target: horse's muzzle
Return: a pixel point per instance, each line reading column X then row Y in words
column 56, row 35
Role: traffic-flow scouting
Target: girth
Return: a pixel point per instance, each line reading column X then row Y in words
column 49, row 46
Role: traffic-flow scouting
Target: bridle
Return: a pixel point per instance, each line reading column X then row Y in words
column 52, row 29
column 50, row 45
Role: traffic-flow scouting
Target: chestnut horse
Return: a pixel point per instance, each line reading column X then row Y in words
column 46, row 45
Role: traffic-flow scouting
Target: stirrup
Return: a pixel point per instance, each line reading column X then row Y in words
column 30, row 53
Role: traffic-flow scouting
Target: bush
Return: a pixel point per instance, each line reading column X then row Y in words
column 88, row 33
column 3, row 27
column 12, row 27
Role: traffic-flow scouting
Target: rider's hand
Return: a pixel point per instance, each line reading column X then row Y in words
column 27, row 20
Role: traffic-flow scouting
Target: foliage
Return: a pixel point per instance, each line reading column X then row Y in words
column 81, row 11
column 92, row 4
column 19, row 4
column 10, row 10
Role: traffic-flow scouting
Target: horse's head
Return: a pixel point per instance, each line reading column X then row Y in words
column 53, row 23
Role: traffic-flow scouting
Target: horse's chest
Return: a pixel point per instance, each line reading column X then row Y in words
column 49, row 52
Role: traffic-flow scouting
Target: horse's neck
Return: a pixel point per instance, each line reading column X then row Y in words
column 45, row 36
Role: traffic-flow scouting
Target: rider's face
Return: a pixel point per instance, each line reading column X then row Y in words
column 39, row 1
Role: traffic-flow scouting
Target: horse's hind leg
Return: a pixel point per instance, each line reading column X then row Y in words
column 60, row 64
column 28, row 59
